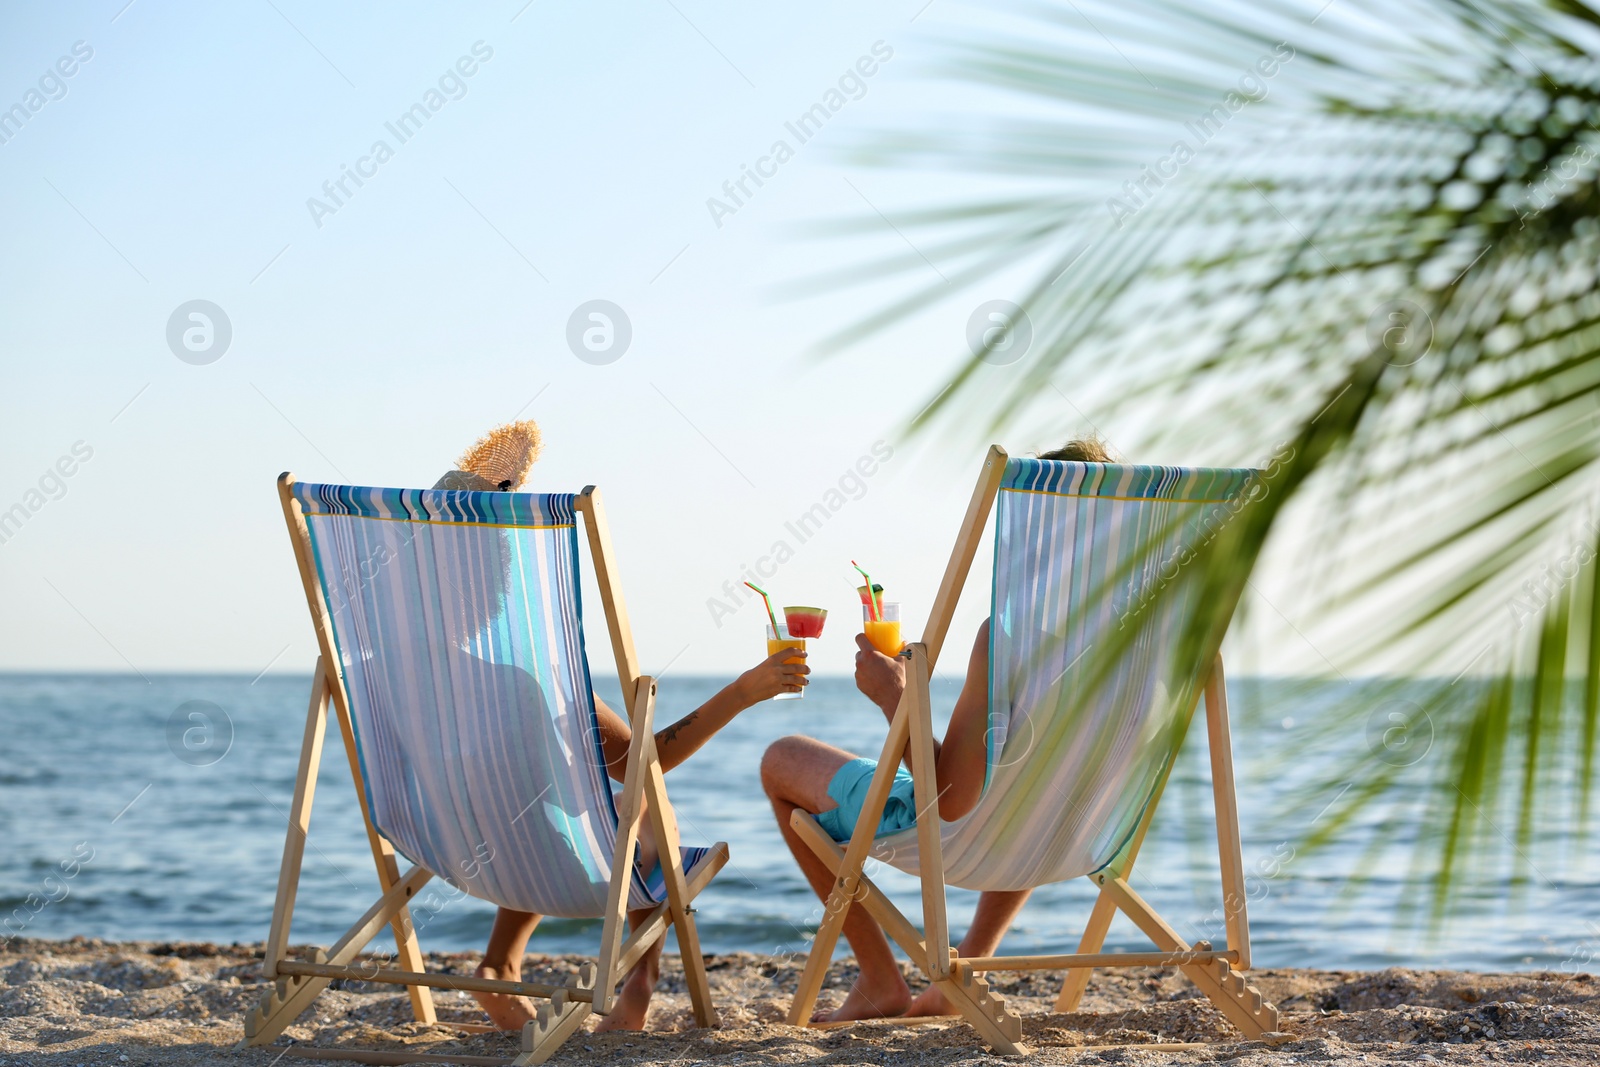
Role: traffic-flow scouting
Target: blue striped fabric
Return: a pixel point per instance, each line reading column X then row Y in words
column 435, row 505
column 1079, row 548
column 459, row 631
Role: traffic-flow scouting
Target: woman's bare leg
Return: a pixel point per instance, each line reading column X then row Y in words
column 795, row 771
column 993, row 917
column 502, row 961
column 632, row 1005
column 509, row 941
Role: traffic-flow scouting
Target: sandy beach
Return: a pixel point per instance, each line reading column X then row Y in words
column 145, row 1003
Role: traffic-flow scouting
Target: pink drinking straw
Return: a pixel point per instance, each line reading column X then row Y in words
column 872, row 600
column 768, row 600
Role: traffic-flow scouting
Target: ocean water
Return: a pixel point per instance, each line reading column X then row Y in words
column 116, row 824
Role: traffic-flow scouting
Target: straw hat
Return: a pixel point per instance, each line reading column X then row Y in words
column 500, row 461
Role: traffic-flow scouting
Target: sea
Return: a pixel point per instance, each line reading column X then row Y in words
column 154, row 808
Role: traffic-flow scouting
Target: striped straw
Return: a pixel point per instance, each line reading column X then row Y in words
column 770, row 615
column 872, row 601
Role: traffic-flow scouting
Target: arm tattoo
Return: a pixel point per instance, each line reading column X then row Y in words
column 666, row 736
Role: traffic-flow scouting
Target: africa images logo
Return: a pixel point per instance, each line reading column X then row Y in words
column 452, row 85
column 52, row 85
column 806, row 125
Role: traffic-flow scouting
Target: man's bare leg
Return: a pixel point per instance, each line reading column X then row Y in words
column 795, row 771
column 993, row 917
column 502, row 961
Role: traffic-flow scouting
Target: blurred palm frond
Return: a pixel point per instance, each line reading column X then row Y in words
column 1358, row 241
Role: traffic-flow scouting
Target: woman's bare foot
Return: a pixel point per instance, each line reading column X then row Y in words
column 504, row 1010
column 870, row 1000
column 930, row 1002
column 632, row 1006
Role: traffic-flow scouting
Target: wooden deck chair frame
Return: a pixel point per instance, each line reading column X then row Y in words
column 1217, row 973
column 562, row 1009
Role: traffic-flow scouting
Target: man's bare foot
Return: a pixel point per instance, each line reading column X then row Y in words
column 870, row 1001
column 504, row 1010
column 632, row 1006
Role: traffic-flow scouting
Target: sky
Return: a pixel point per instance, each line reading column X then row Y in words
column 373, row 331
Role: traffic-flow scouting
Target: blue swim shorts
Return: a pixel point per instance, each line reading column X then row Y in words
column 849, row 790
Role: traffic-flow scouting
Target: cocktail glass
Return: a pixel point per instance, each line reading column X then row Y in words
column 884, row 631
column 779, row 640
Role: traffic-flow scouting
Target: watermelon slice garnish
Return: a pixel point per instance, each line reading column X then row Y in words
column 861, row 591
column 805, row 622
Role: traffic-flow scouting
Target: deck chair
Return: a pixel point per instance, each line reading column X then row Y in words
column 1078, row 754
column 452, row 653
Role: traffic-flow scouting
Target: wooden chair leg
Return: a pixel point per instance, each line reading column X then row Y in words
column 986, row 1012
column 294, row 841
column 291, row 996
column 556, row 1019
column 1223, row 986
column 1226, row 805
column 894, row 923
column 822, row 944
column 671, row 860
column 407, row 951
column 848, row 875
column 1093, row 940
column 968, row 991
column 630, row 815
column 930, row 859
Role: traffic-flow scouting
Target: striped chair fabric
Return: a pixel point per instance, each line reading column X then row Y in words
column 458, row 626
column 1078, row 746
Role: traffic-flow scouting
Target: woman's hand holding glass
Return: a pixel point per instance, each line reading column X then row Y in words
column 782, row 672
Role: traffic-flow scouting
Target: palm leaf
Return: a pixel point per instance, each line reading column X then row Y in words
column 1379, row 271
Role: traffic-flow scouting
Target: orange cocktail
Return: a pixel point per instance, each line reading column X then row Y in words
column 883, row 631
column 777, row 642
